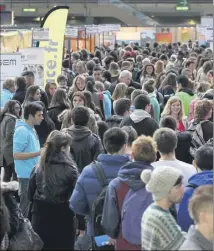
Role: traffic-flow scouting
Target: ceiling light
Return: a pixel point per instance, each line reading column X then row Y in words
column 29, row 10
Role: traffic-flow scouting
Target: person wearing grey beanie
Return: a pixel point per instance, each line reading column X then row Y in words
column 159, row 230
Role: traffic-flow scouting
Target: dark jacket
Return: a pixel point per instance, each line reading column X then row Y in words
column 196, row 241
column 113, row 86
column 55, row 184
column 85, row 145
column 114, row 79
column 44, row 98
column 7, row 127
column 114, row 121
column 49, row 191
column 8, row 190
column 44, row 129
column 136, row 85
column 85, row 193
column 182, row 151
column 54, row 112
column 142, row 122
column 129, row 174
column 19, row 96
column 207, row 128
column 199, row 179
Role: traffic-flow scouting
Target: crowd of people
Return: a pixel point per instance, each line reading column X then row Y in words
column 116, row 155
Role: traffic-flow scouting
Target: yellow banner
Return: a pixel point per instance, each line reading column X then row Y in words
column 55, row 20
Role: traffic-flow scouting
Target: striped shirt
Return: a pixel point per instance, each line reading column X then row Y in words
column 159, row 230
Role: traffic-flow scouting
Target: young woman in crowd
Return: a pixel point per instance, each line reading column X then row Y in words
column 147, row 73
column 20, row 89
column 50, row 89
column 80, row 68
column 159, row 79
column 11, row 112
column 98, row 55
column 76, row 99
column 33, row 94
column 78, row 85
column 107, row 101
column 96, row 96
column 58, row 104
column 174, row 108
column 207, row 66
column 169, row 80
column 51, row 185
column 119, row 92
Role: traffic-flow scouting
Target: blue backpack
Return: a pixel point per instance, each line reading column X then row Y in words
column 134, row 204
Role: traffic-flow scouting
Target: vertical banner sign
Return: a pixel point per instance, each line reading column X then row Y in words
column 55, row 20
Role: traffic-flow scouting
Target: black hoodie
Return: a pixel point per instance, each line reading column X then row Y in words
column 85, row 145
column 188, row 91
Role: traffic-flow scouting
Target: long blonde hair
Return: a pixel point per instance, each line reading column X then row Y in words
column 159, row 67
column 74, row 88
column 120, row 91
column 167, row 108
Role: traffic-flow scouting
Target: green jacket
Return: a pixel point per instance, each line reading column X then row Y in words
column 186, row 96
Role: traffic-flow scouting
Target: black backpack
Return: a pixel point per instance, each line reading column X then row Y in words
column 97, row 207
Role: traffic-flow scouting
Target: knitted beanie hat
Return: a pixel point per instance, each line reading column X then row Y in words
column 160, row 181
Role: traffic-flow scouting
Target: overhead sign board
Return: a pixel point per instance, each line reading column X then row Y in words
column 71, row 32
column 40, row 34
column 182, row 5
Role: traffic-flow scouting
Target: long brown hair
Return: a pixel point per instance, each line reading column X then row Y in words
column 55, row 141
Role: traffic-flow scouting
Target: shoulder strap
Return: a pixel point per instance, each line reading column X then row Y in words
column 97, row 167
column 192, row 186
column 121, row 194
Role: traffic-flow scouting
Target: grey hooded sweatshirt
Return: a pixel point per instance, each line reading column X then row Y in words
column 196, row 241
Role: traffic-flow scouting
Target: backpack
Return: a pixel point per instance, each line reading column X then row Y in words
column 97, row 207
column 196, row 132
column 132, row 205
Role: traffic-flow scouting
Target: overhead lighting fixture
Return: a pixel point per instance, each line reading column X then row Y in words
column 191, row 22
column 73, row 17
column 182, row 8
column 29, row 10
column 38, row 19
